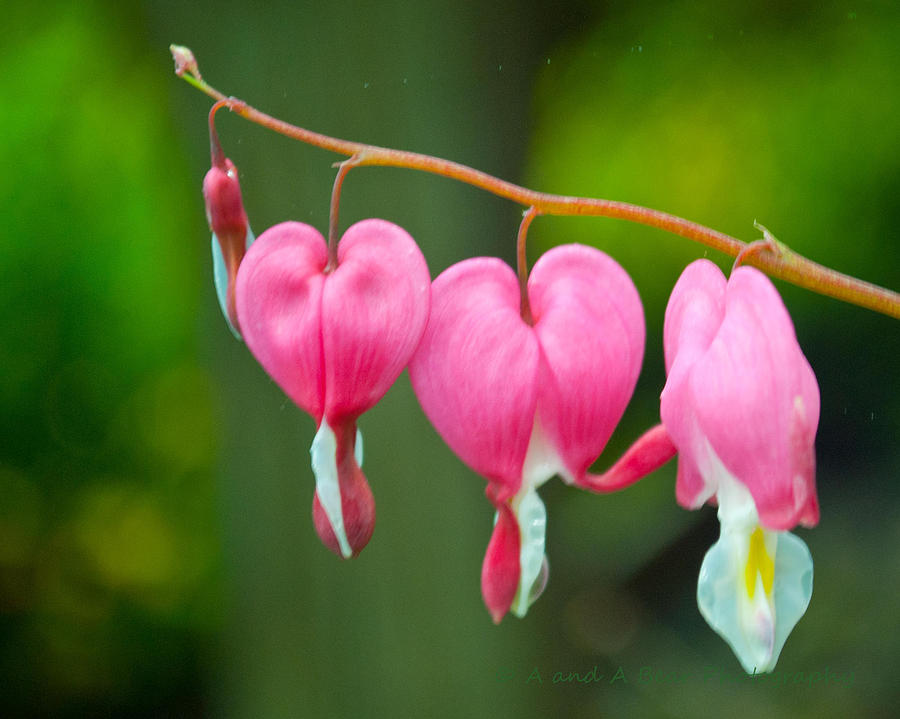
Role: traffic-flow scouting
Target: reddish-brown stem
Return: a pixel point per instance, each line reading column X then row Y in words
column 343, row 169
column 522, row 264
column 216, row 154
column 783, row 264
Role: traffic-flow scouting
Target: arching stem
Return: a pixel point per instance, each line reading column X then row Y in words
column 785, row 264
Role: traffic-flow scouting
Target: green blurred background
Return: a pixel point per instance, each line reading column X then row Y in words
column 157, row 556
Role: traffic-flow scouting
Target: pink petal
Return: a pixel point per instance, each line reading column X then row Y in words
column 649, row 452
column 224, row 205
column 500, row 570
column 279, row 303
column 757, row 402
column 475, row 370
column 374, row 309
column 590, row 326
column 695, row 310
column 228, row 221
column 693, row 316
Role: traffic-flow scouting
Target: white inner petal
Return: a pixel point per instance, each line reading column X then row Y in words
column 724, row 604
column 541, row 463
column 793, row 587
column 358, row 449
column 532, row 519
column 737, row 510
column 541, row 460
column 323, row 453
column 220, row 276
column 756, row 627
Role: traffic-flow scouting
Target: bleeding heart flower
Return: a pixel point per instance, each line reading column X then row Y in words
column 519, row 403
column 231, row 232
column 741, row 404
column 335, row 341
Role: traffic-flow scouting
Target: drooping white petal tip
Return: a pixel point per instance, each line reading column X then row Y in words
column 754, row 596
column 532, row 518
column 323, row 453
column 220, row 277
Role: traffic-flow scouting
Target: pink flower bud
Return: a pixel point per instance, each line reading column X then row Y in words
column 231, row 232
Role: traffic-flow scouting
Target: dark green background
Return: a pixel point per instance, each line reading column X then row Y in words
column 157, row 556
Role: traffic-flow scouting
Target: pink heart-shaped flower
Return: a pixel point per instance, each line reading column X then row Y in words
column 334, row 341
column 519, row 403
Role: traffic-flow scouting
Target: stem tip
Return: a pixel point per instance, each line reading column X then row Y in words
column 184, row 61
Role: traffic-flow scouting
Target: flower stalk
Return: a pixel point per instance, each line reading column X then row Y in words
column 522, row 264
column 776, row 260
